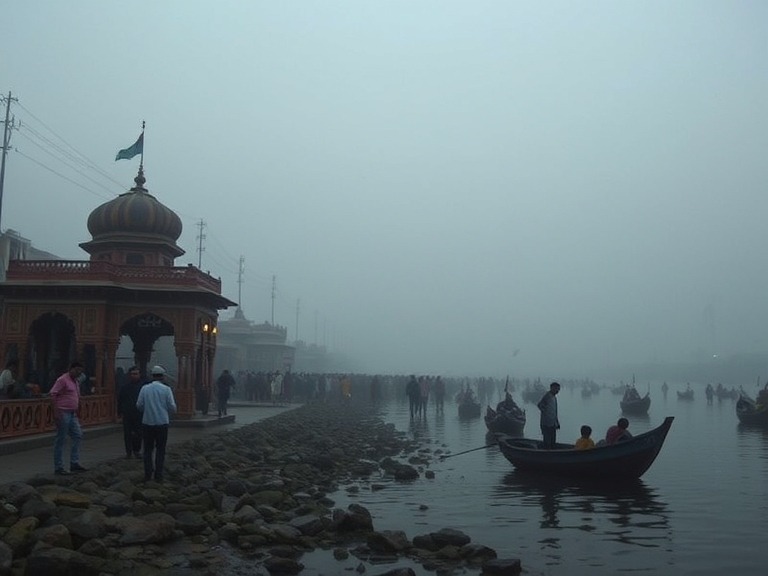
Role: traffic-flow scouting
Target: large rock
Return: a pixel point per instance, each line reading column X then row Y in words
column 150, row 529
column 90, row 524
column 355, row 518
column 450, row 537
column 502, row 567
column 17, row 493
column 56, row 536
column 190, row 522
column 19, row 537
column 40, row 509
column 309, row 524
column 388, row 541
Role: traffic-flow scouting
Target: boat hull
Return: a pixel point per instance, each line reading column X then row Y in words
column 504, row 423
column 469, row 410
column 635, row 407
column 624, row 460
column 749, row 415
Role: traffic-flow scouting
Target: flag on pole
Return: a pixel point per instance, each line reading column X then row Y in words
column 131, row 151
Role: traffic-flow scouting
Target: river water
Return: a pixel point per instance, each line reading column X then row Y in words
column 702, row 508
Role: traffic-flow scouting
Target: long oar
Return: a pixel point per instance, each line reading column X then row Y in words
column 468, row 451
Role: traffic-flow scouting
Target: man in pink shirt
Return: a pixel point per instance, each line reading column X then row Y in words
column 65, row 394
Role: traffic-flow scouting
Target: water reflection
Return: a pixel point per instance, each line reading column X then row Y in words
column 753, row 440
column 625, row 513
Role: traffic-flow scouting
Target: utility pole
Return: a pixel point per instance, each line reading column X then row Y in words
column 8, row 125
column 200, row 247
column 274, row 291
column 240, row 283
column 315, row 327
column 298, row 302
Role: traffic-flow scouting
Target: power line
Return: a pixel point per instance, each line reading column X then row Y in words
column 83, row 174
column 60, row 175
column 84, row 159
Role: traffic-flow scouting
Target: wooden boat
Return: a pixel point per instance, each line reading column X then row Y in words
column 504, row 421
column 687, row 395
column 749, row 414
column 469, row 408
column 636, row 405
column 623, row 460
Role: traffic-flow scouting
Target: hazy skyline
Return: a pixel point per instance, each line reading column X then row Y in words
column 439, row 183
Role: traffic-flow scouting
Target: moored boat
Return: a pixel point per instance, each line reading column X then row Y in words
column 508, row 418
column 685, row 395
column 469, row 409
column 633, row 404
column 624, row 460
column 750, row 413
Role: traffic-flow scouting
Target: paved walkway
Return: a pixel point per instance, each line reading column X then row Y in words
column 105, row 443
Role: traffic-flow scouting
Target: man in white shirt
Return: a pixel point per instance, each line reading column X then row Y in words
column 156, row 403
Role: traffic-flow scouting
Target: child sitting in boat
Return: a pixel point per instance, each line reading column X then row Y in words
column 585, row 441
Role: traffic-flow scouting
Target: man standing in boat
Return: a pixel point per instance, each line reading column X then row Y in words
column 549, row 422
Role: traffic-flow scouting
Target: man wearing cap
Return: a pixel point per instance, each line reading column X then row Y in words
column 156, row 403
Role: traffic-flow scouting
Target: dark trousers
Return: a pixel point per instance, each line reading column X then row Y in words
column 154, row 437
column 132, row 435
column 549, row 433
column 223, row 405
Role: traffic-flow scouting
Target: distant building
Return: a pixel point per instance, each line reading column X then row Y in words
column 245, row 345
column 13, row 246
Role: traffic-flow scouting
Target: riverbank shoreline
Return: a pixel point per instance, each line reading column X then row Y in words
column 257, row 496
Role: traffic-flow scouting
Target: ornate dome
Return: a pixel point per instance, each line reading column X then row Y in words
column 135, row 213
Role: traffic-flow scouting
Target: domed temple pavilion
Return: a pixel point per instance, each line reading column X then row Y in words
column 57, row 311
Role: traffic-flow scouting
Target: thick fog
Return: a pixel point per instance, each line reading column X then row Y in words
column 529, row 188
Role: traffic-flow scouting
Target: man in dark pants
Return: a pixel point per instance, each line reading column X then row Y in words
column 126, row 407
column 156, row 403
column 549, row 422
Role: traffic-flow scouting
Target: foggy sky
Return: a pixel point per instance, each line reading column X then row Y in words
column 439, row 183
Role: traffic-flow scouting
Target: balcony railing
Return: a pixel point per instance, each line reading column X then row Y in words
column 87, row 271
column 35, row 415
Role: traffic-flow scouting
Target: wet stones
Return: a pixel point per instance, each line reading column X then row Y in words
column 256, row 495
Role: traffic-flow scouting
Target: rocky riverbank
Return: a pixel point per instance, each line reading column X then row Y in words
column 249, row 501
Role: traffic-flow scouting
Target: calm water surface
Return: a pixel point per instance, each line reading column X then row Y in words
column 702, row 508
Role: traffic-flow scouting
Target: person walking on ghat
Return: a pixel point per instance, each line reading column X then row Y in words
column 224, row 384
column 126, row 407
column 65, row 395
column 549, row 422
column 156, row 403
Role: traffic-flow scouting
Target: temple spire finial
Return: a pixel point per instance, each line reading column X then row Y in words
column 140, row 180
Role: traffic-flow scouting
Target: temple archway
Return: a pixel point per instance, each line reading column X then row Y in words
column 144, row 330
column 52, row 346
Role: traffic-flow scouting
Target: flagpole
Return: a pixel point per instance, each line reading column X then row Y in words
column 141, row 164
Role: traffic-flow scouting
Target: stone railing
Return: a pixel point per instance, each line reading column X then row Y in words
column 35, row 415
column 85, row 270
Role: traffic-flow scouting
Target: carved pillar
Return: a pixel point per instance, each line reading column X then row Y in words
column 98, row 369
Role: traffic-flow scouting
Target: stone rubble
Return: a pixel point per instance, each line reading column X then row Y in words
column 260, row 492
